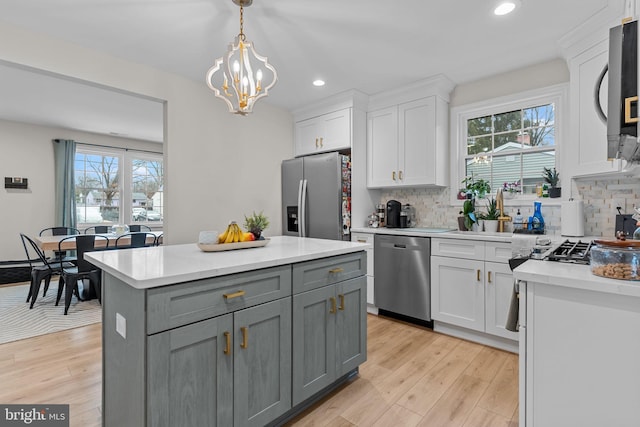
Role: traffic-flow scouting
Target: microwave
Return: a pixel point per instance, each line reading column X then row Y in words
column 622, row 108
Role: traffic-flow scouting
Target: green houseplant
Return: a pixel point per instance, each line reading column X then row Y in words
column 492, row 215
column 256, row 223
column 468, row 218
column 478, row 187
column 552, row 176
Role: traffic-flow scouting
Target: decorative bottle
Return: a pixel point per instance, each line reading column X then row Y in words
column 518, row 222
column 538, row 220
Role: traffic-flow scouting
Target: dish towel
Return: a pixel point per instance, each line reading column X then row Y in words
column 512, row 317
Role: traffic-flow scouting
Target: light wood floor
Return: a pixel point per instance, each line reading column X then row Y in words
column 413, row 377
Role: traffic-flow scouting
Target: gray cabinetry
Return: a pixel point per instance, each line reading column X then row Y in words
column 329, row 330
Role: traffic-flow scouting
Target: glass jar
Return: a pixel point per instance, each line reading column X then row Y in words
column 372, row 220
column 616, row 260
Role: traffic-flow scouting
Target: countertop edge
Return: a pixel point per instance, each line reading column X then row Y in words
column 504, row 237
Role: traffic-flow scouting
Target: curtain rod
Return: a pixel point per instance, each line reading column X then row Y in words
column 114, row 148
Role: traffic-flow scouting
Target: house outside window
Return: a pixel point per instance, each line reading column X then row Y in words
column 509, row 141
column 114, row 186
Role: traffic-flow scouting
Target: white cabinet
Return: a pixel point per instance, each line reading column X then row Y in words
column 587, row 144
column 367, row 238
column 471, row 285
column 327, row 132
column 407, row 144
column 582, row 347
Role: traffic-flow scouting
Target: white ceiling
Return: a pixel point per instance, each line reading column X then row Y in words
column 369, row 45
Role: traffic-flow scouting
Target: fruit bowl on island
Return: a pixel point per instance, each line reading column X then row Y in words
column 231, row 246
column 233, row 238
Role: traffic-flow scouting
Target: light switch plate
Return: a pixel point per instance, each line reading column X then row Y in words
column 121, row 325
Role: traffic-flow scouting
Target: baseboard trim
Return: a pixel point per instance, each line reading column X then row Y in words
column 475, row 336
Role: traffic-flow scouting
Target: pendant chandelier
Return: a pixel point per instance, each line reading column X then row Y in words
column 232, row 77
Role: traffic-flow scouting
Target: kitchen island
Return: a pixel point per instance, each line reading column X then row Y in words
column 245, row 337
column 579, row 347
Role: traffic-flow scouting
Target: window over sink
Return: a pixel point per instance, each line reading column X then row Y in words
column 508, row 141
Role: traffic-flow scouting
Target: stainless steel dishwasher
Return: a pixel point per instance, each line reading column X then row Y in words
column 402, row 281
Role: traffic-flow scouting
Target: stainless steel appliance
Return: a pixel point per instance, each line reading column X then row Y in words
column 393, row 214
column 573, row 252
column 316, row 196
column 409, row 212
column 402, row 271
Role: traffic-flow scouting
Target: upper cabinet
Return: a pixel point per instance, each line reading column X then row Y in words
column 332, row 124
column 328, row 132
column 407, row 139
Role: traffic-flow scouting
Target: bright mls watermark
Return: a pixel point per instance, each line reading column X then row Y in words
column 34, row 415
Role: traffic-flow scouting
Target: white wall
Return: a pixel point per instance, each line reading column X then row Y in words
column 218, row 166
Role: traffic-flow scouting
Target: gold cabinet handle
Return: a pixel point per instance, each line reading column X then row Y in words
column 227, row 348
column 316, row 142
column 341, row 307
column 321, row 146
column 393, row 175
column 362, row 240
column 478, row 275
column 336, row 270
column 627, row 110
column 245, row 337
column 233, row 295
column 489, row 276
column 400, row 175
column 333, row 305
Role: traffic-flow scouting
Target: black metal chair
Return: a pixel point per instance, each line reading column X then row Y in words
column 97, row 229
column 136, row 228
column 41, row 269
column 159, row 240
column 69, row 277
column 135, row 240
column 60, row 231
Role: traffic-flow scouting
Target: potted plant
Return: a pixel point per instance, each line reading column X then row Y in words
column 256, row 223
column 479, row 188
column 492, row 215
column 551, row 176
column 510, row 189
column 468, row 217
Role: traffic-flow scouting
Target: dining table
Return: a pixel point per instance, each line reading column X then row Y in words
column 50, row 243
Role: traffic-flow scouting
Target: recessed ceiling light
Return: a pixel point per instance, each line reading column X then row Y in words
column 318, row 82
column 506, row 7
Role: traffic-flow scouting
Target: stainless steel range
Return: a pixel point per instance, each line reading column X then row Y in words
column 572, row 252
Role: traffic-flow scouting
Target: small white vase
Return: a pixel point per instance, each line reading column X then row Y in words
column 491, row 225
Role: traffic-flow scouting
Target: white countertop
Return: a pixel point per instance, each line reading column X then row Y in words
column 574, row 276
column 438, row 232
column 144, row 268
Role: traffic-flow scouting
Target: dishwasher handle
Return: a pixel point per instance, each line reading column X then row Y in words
column 399, row 246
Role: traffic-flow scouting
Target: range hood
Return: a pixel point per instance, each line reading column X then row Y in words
column 622, row 108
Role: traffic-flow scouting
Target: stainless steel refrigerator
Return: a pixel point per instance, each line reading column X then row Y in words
column 316, row 196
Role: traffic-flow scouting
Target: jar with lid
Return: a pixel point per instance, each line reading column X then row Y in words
column 380, row 209
column 617, row 259
column 373, row 220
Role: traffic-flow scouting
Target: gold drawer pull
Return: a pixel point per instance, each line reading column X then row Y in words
column 627, row 110
column 333, row 305
column 393, row 175
column 341, row 302
column 316, row 142
column 478, row 275
column 336, row 270
column 489, row 276
column 233, row 295
column 400, row 175
column 321, row 146
column 245, row 337
column 362, row 240
column 227, row 337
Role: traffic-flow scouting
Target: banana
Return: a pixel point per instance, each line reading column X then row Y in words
column 230, row 233
column 223, row 236
column 238, row 234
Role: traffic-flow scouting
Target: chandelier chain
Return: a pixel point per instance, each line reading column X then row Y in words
column 241, row 35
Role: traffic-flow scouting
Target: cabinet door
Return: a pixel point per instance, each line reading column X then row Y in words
column 314, row 337
column 588, row 142
column 367, row 238
column 262, row 363
column 351, row 324
column 307, row 137
column 457, row 291
column 382, row 148
column 189, row 375
column 336, row 134
column 417, row 142
column 498, row 290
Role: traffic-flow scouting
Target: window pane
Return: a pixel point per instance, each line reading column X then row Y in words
column 543, row 115
column 147, row 190
column 533, row 166
column 507, row 142
column 542, row 136
column 479, row 126
column 506, row 172
column 479, row 169
column 477, row 145
column 97, row 188
column 507, row 121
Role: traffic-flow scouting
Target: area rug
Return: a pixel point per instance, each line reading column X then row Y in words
column 18, row 322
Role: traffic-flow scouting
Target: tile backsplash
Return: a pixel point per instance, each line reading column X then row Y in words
column 601, row 197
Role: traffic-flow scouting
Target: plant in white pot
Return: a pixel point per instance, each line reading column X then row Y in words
column 492, row 215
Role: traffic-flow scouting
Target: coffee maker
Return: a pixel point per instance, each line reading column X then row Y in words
column 393, row 213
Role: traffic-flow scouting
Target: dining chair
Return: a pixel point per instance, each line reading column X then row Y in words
column 135, row 240
column 135, row 228
column 70, row 276
column 41, row 268
column 97, row 229
column 60, row 231
column 159, row 240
